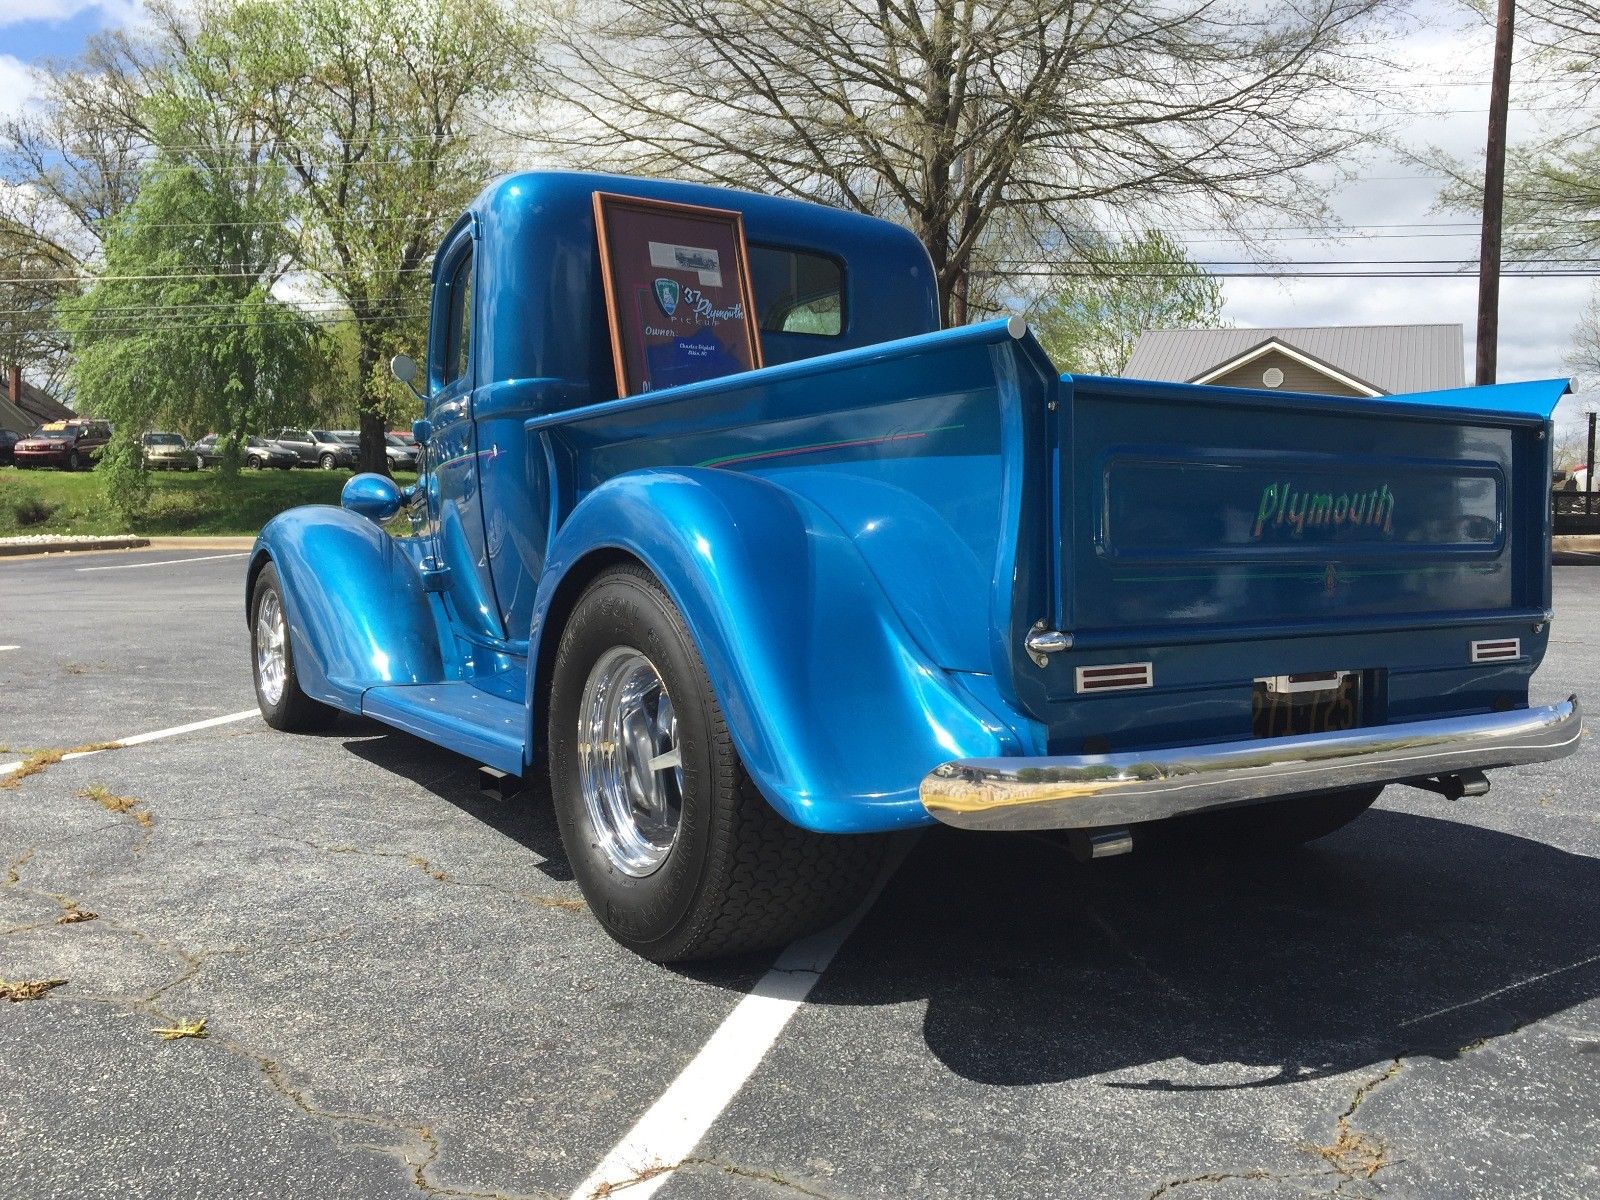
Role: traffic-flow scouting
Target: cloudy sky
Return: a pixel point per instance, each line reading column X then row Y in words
column 1389, row 209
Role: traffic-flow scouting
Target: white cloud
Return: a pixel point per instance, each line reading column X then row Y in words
column 16, row 84
column 17, row 11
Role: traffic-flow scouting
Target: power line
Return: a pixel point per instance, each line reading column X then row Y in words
column 118, row 330
column 93, row 279
column 1593, row 273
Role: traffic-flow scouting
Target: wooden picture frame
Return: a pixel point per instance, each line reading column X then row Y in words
column 679, row 302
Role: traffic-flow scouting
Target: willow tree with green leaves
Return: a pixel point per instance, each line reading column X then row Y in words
column 1114, row 292
column 181, row 327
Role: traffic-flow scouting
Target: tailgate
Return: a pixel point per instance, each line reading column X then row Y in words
column 1197, row 513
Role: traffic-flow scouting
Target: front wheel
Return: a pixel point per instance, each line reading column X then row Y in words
column 677, row 853
column 284, row 705
column 74, row 461
column 327, row 461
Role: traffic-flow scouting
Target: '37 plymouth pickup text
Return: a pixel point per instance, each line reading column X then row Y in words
column 755, row 564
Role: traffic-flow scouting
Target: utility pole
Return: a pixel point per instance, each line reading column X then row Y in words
column 1588, row 473
column 1494, row 196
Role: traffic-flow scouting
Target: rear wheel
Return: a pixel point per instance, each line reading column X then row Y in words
column 676, row 851
column 1276, row 825
column 284, row 705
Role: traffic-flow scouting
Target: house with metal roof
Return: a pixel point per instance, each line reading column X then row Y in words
column 24, row 407
column 1337, row 360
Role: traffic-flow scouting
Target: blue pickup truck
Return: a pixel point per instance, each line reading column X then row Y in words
column 749, row 626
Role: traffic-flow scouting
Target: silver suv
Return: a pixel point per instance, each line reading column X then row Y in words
column 316, row 448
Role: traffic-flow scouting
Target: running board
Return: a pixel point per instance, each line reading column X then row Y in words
column 487, row 729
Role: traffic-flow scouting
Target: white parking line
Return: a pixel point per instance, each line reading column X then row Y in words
column 656, row 1146
column 10, row 647
column 165, row 562
column 139, row 738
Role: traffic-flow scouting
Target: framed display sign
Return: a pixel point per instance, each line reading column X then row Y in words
column 677, row 282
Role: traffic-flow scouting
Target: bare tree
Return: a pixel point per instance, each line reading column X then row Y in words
column 1584, row 360
column 1552, row 191
column 68, row 166
column 960, row 117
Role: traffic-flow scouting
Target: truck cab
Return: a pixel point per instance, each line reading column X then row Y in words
column 748, row 626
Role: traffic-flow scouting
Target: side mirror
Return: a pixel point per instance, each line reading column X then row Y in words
column 422, row 430
column 376, row 497
column 404, row 368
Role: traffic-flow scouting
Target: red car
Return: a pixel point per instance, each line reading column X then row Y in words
column 71, row 445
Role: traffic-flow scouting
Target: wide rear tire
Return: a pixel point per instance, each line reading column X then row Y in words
column 677, row 852
column 284, row 704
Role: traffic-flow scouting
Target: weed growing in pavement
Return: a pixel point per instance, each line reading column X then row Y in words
column 72, row 914
column 40, row 760
column 17, row 990
column 112, row 802
column 183, row 1029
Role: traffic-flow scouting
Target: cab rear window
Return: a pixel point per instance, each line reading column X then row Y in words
column 797, row 291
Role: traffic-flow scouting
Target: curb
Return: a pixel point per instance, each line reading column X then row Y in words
column 66, row 546
column 201, row 542
column 1576, row 543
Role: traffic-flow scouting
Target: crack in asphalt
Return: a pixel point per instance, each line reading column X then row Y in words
column 418, row 1146
column 1352, row 1156
column 1257, row 1173
column 743, row 1172
column 619, row 1187
column 436, row 872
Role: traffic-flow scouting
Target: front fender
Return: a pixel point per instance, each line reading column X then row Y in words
column 835, row 711
column 358, row 615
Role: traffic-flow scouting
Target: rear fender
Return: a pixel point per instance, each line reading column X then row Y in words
column 358, row 615
column 835, row 711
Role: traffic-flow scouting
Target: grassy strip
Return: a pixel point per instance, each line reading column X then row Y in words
column 200, row 503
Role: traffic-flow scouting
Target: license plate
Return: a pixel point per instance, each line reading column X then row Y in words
column 1284, row 705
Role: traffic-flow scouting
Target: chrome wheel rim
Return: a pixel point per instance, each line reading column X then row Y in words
column 272, row 661
column 630, row 763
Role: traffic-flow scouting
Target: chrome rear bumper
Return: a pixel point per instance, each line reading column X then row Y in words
column 1094, row 790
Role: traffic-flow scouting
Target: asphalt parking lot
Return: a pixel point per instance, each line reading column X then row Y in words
column 403, row 993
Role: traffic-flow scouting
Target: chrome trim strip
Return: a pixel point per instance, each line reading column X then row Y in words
column 1093, row 790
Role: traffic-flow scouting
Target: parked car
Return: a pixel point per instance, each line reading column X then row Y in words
column 401, row 456
column 258, row 453
column 70, row 445
column 749, row 623
column 316, row 448
column 8, row 441
column 167, row 452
